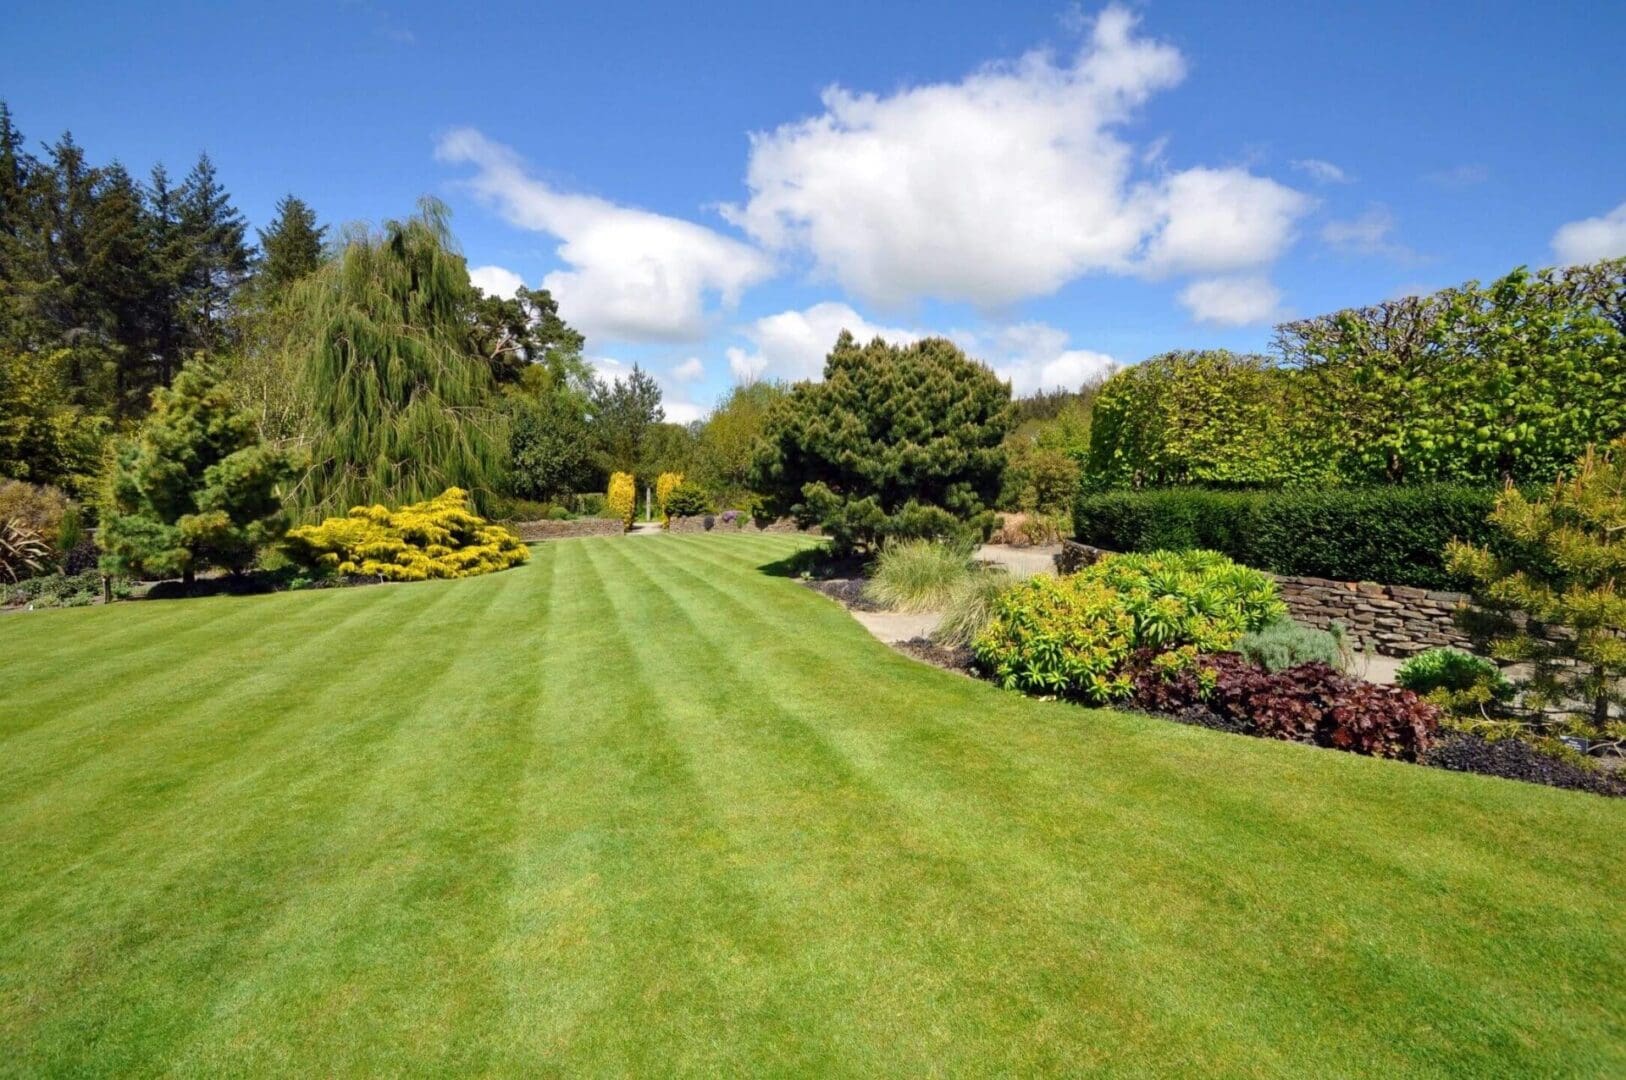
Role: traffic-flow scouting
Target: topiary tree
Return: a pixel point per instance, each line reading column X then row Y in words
column 665, row 484
column 194, row 488
column 896, row 441
column 621, row 500
column 1556, row 602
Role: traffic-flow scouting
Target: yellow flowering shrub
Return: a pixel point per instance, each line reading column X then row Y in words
column 665, row 484
column 438, row 538
column 622, row 499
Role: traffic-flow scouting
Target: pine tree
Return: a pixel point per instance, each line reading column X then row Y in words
column 399, row 400
column 1553, row 598
column 292, row 247
column 217, row 256
column 195, row 488
column 897, row 441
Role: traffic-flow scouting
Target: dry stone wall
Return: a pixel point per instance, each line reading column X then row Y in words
column 739, row 523
column 1392, row 620
column 531, row 531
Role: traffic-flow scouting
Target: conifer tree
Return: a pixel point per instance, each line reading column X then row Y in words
column 292, row 247
column 216, row 257
column 896, row 441
column 194, row 488
column 1555, row 598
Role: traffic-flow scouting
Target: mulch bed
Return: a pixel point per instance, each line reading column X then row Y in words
column 956, row 658
column 1514, row 760
column 848, row 592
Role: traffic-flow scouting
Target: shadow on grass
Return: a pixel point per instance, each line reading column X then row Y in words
column 815, row 564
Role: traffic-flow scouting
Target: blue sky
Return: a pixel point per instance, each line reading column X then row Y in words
column 712, row 190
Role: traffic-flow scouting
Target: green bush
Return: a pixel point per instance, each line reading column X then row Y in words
column 1284, row 643
column 513, row 508
column 1391, row 534
column 1446, row 669
column 687, row 500
column 589, row 504
column 970, row 606
column 917, row 575
column 1073, row 635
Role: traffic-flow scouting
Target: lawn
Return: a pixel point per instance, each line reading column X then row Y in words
column 640, row 807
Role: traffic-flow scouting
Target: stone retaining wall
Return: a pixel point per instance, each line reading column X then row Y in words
column 1392, row 620
column 531, row 531
column 742, row 523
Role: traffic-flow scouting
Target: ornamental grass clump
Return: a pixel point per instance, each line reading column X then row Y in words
column 1071, row 636
column 1284, row 643
column 970, row 606
column 438, row 538
column 917, row 575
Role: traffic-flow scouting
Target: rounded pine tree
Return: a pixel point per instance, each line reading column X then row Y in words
column 896, row 441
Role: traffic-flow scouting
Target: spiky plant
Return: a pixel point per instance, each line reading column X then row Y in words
column 22, row 551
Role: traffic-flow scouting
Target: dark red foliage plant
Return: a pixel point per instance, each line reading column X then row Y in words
column 1312, row 703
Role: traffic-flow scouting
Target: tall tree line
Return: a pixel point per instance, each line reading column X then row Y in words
column 109, row 284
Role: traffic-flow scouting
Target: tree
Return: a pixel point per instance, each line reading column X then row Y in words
column 728, row 441
column 1553, row 599
column 621, row 414
column 896, row 441
column 550, row 453
column 292, row 247
column 215, row 255
column 522, row 332
column 400, row 406
column 45, row 438
column 194, row 488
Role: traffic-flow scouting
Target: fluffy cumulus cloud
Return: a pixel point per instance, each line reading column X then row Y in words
column 690, row 370
column 1591, row 239
column 793, row 344
column 1232, row 301
column 1031, row 356
column 1218, row 220
column 1034, row 356
column 630, row 275
column 1007, row 184
column 495, row 280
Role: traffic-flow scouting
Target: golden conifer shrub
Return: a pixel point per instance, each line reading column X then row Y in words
column 439, row 538
column 622, row 499
column 667, row 483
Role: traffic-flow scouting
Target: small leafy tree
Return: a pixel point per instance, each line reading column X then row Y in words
column 621, row 500
column 1556, row 603
column 665, row 484
column 194, row 488
column 897, row 441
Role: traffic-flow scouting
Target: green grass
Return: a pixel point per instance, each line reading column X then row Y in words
column 640, row 808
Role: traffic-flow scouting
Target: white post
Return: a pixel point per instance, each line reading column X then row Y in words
column 649, row 503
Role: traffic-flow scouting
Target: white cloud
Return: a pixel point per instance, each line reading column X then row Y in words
column 1232, row 301
column 632, row 275
column 1031, row 356
column 1324, row 172
column 690, row 370
column 793, row 344
column 682, row 412
column 1372, row 233
column 1004, row 185
column 1034, row 356
column 1218, row 220
column 495, row 280
column 1591, row 239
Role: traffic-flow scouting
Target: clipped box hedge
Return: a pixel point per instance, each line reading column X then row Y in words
column 1390, row 534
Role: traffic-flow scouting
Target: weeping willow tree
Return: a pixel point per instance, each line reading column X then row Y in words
column 399, row 401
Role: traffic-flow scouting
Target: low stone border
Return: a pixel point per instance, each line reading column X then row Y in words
column 532, row 531
column 740, row 523
column 1391, row 620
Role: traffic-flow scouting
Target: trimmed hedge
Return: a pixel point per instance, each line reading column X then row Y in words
column 1394, row 535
